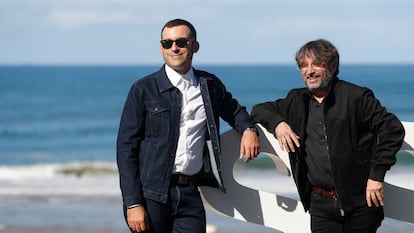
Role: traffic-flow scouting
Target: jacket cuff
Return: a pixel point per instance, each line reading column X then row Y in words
column 377, row 173
column 132, row 202
column 133, row 206
column 272, row 127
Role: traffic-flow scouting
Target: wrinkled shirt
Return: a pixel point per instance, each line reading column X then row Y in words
column 189, row 155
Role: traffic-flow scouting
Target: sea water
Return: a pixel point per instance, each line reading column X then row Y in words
column 58, row 114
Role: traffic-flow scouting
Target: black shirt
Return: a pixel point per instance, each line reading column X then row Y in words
column 317, row 149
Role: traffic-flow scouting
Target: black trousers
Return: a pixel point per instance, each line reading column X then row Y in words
column 327, row 217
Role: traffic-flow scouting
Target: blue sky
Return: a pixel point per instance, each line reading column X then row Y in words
column 229, row 31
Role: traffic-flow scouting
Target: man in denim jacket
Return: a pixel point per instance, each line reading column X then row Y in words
column 168, row 139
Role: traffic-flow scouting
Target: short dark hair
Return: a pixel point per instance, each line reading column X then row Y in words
column 178, row 22
column 323, row 51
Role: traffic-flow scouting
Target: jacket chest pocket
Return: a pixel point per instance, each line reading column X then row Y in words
column 157, row 120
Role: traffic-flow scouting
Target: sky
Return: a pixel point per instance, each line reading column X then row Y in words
column 127, row 32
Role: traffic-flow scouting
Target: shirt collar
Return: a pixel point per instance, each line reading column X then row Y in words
column 175, row 77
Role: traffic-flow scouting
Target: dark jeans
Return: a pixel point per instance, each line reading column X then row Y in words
column 326, row 217
column 183, row 213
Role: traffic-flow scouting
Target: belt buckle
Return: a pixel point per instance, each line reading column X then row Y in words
column 330, row 193
column 325, row 193
column 183, row 180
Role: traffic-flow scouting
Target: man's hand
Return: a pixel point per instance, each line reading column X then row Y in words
column 137, row 219
column 249, row 145
column 286, row 137
column 375, row 193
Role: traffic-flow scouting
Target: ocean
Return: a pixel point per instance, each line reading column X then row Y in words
column 58, row 125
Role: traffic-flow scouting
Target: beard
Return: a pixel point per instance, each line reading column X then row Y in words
column 324, row 84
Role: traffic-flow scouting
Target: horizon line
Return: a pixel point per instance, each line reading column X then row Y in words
column 196, row 64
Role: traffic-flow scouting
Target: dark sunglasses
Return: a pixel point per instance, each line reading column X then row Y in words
column 180, row 42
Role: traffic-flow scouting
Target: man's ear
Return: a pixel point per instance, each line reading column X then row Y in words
column 335, row 66
column 195, row 46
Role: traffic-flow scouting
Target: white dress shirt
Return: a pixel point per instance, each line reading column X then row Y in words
column 189, row 154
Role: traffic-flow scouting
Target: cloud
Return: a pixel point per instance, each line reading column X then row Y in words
column 77, row 18
column 378, row 27
column 68, row 14
column 79, row 13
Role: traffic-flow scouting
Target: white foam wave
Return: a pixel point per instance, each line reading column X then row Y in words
column 70, row 179
column 53, row 170
column 101, row 179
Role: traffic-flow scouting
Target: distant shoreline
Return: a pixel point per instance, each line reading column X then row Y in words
column 157, row 66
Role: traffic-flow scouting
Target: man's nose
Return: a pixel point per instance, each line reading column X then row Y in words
column 175, row 46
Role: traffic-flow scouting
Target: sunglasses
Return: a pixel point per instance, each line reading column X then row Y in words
column 180, row 42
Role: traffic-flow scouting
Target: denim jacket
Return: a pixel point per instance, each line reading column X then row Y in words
column 149, row 130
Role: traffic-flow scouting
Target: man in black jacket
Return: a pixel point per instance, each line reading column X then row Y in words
column 340, row 140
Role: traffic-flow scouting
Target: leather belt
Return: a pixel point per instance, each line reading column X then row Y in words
column 183, row 180
column 324, row 193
